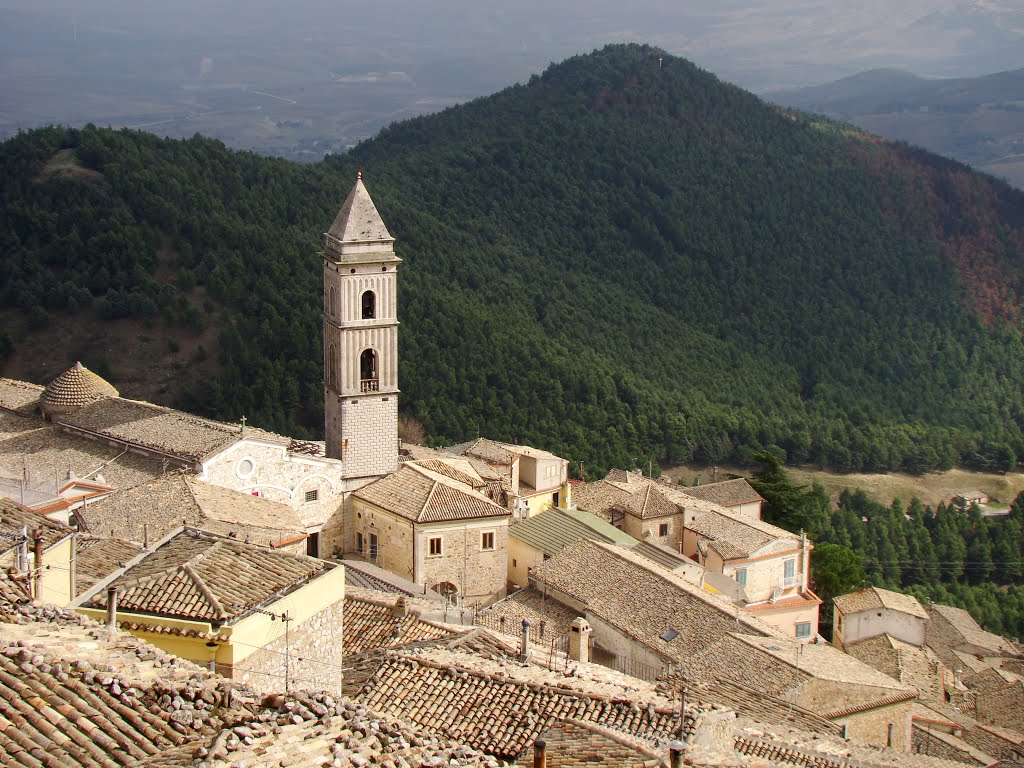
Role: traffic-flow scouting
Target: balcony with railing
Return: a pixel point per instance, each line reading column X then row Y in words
column 789, row 582
column 369, row 385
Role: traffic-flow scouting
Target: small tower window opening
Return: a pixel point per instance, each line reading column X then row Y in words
column 369, row 305
column 368, row 380
column 332, row 302
column 332, row 366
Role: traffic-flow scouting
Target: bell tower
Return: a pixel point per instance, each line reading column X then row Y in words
column 361, row 339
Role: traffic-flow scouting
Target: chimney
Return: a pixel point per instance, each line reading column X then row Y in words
column 112, row 608
column 579, row 640
column 400, row 609
column 675, row 754
column 524, row 655
column 540, row 748
column 37, row 556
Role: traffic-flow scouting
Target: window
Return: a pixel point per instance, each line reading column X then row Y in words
column 435, row 545
column 332, row 366
column 663, row 529
column 359, row 543
column 368, row 371
column 373, row 546
column 369, row 305
column 803, row 629
column 487, row 540
column 790, row 568
column 312, row 495
column 332, row 302
column 741, row 576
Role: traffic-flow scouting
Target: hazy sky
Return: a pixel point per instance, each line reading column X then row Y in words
column 286, row 77
column 760, row 43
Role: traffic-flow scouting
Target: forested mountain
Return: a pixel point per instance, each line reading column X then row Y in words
column 623, row 259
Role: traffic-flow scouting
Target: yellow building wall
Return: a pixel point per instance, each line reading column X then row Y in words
column 521, row 557
column 241, row 640
column 55, row 584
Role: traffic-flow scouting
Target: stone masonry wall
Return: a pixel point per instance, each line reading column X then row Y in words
column 872, row 727
column 370, row 425
column 480, row 574
column 314, row 655
column 925, row 743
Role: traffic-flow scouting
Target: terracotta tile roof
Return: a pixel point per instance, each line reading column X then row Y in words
column 97, row 557
column 599, row 496
column 529, row 450
column 358, row 220
column 528, row 604
column 643, row 600
column 18, row 396
column 72, row 695
column 825, row 661
column 488, row 450
column 728, row 493
column 554, row 529
column 76, row 387
column 634, row 493
column 13, row 594
column 460, row 471
column 495, row 714
column 206, row 578
column 825, row 678
column 14, row 517
column 757, row 705
column 874, row 598
column 664, row 556
column 373, row 578
column 174, row 433
column 964, row 624
column 734, row 535
column 426, row 498
column 580, row 744
column 49, row 453
column 370, row 625
column 177, row 499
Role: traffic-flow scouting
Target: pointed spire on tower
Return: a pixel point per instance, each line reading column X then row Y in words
column 358, row 220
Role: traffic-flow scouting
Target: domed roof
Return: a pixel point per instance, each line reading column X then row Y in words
column 76, row 387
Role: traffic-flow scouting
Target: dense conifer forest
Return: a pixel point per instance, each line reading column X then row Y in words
column 623, row 260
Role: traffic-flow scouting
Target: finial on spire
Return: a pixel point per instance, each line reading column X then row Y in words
column 359, row 168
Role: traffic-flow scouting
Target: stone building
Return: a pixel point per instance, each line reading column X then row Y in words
column 872, row 612
column 533, row 480
column 426, row 526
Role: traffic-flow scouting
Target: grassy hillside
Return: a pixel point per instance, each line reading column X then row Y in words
column 624, row 259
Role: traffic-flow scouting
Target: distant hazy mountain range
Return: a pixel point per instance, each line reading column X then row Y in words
column 979, row 121
column 301, row 79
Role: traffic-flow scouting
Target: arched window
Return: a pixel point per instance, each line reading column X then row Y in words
column 369, row 305
column 368, row 371
column 332, row 305
column 332, row 366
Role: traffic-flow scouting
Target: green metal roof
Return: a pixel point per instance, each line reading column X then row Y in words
column 555, row 529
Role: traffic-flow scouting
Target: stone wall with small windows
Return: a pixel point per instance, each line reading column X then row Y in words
column 312, row 485
column 473, row 557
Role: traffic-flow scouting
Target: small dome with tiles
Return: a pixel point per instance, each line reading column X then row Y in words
column 74, row 388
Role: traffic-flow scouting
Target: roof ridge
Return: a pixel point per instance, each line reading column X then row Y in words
column 202, row 586
column 430, row 497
